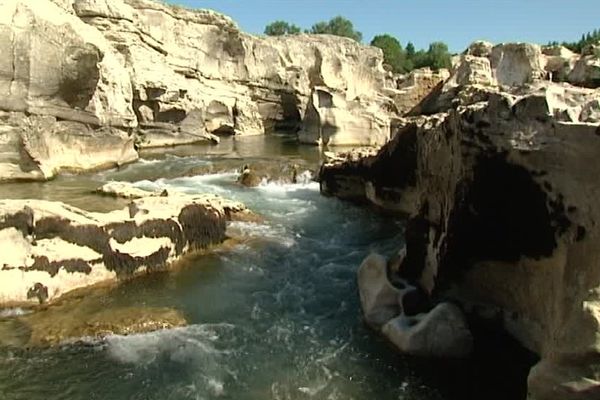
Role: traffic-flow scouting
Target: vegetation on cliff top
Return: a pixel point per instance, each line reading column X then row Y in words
column 279, row 28
column 399, row 59
column 586, row 39
column 402, row 60
column 338, row 26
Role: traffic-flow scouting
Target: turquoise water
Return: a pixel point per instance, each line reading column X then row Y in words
column 274, row 316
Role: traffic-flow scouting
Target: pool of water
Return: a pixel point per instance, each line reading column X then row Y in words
column 273, row 316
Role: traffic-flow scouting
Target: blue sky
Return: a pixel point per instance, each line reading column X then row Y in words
column 456, row 22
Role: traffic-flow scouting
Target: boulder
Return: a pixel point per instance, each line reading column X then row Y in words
column 480, row 48
column 472, row 70
column 404, row 317
column 516, row 64
column 471, row 81
column 331, row 119
column 560, row 101
column 586, row 71
column 280, row 171
column 53, row 248
column 380, row 300
column 559, row 62
column 590, row 111
column 249, row 178
column 126, row 190
column 442, row 332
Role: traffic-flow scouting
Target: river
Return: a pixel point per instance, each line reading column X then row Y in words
column 272, row 315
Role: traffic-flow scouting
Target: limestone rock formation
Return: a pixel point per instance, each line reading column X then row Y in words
column 472, row 70
column 143, row 74
column 480, row 48
column 380, row 300
column 332, row 119
column 51, row 248
column 499, row 193
column 442, row 332
column 407, row 321
column 559, row 62
column 586, row 71
column 517, row 63
column 414, row 89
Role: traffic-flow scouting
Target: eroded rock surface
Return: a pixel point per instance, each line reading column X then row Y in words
column 403, row 314
column 142, row 74
column 51, row 248
column 500, row 194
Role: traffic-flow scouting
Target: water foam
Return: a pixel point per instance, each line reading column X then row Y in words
column 183, row 345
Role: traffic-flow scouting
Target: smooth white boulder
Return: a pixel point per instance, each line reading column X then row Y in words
column 442, row 332
column 378, row 297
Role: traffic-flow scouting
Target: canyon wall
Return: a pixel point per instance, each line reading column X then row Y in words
column 87, row 82
column 496, row 172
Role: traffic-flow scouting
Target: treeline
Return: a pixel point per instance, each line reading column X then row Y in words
column 398, row 58
column 339, row 26
column 402, row 60
column 586, row 39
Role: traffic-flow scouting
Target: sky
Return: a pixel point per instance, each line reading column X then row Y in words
column 456, row 22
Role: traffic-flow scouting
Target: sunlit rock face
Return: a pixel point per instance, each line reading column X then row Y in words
column 332, row 119
column 517, row 63
column 51, row 248
column 144, row 74
column 499, row 189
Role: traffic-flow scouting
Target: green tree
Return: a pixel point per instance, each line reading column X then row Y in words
column 409, row 62
column 410, row 49
column 438, row 56
column 338, row 26
column 586, row 39
column 279, row 28
column 393, row 54
column 420, row 59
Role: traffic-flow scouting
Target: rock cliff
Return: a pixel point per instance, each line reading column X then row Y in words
column 498, row 181
column 100, row 78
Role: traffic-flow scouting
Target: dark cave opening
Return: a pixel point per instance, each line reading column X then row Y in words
column 291, row 118
column 80, row 75
column 502, row 214
column 224, row 130
column 171, row 116
column 399, row 156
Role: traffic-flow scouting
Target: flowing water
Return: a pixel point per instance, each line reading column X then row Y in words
column 275, row 315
